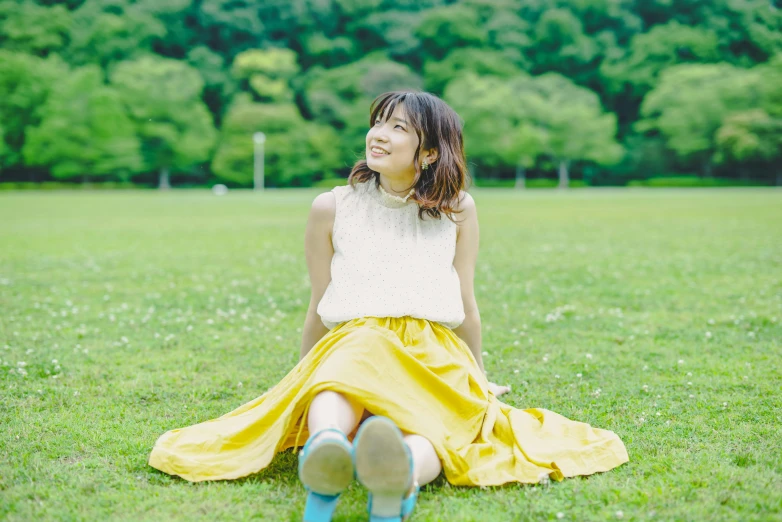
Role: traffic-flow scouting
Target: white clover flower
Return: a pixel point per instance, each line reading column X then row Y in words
column 681, row 361
column 708, row 335
column 589, row 356
column 619, row 514
column 560, row 515
column 689, row 374
column 515, row 371
column 578, row 375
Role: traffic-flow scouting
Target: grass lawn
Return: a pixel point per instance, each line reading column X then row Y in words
column 653, row 313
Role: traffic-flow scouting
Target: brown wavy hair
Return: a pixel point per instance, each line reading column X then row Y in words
column 438, row 127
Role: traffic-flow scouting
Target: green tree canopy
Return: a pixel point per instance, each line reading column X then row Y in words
column 25, row 84
column 108, row 31
column 296, row 152
column 267, row 71
column 85, row 131
column 528, row 118
column 162, row 97
column 28, row 27
column 691, row 102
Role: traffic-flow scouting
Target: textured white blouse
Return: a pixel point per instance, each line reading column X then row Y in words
column 388, row 262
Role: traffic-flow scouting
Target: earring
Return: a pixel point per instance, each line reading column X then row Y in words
column 424, row 165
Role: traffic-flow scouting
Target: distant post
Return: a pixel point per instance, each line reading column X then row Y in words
column 259, row 139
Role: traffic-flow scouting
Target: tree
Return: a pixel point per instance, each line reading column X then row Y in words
column 28, row 27
column 231, row 25
column 755, row 135
column 560, row 44
column 109, row 31
column 515, row 122
column 691, row 102
column 297, row 152
column 25, row 84
column 267, row 72
column 575, row 126
column 437, row 73
column 219, row 85
column 443, row 29
column 497, row 130
column 663, row 46
column 162, row 97
column 85, row 131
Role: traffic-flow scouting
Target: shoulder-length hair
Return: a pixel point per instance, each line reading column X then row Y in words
column 438, row 127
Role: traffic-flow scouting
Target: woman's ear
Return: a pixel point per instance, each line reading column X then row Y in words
column 431, row 155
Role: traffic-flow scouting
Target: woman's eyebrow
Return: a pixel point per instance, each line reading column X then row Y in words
column 400, row 119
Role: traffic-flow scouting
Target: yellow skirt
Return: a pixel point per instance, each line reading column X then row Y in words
column 422, row 376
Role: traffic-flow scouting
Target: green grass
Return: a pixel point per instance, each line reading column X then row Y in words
column 653, row 313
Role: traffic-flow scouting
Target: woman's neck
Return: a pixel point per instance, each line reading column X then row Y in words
column 396, row 187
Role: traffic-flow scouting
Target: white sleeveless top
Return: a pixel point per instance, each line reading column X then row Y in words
column 388, row 262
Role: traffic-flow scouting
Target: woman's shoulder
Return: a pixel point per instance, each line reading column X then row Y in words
column 324, row 206
column 464, row 201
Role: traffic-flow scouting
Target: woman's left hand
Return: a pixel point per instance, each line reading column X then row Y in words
column 498, row 390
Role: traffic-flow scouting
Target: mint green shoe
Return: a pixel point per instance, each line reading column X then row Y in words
column 325, row 469
column 384, row 465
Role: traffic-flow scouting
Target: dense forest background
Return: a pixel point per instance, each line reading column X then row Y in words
column 599, row 91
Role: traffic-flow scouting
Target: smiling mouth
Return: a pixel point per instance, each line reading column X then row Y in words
column 378, row 151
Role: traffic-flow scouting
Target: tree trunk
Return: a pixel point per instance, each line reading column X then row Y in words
column 164, row 183
column 521, row 176
column 707, row 170
column 779, row 178
column 564, row 177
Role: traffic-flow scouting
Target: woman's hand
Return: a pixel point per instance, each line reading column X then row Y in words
column 498, row 390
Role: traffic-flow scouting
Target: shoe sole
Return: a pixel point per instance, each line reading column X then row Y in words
column 328, row 469
column 383, row 465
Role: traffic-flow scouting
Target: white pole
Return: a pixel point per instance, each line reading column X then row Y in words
column 259, row 139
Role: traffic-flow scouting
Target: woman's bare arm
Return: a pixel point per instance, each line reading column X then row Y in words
column 318, row 251
column 464, row 261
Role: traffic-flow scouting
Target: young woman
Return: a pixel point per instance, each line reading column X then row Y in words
column 392, row 342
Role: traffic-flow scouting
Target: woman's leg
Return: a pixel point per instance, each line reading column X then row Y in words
column 330, row 409
column 426, row 463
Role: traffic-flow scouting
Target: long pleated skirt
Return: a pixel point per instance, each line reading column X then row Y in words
column 422, row 376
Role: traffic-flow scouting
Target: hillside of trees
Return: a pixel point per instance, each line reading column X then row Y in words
column 600, row 91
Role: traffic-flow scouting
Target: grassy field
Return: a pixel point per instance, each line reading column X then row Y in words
column 654, row 313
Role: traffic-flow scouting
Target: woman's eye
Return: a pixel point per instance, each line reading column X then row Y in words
column 400, row 127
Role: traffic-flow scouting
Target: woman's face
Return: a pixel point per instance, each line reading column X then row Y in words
column 398, row 141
